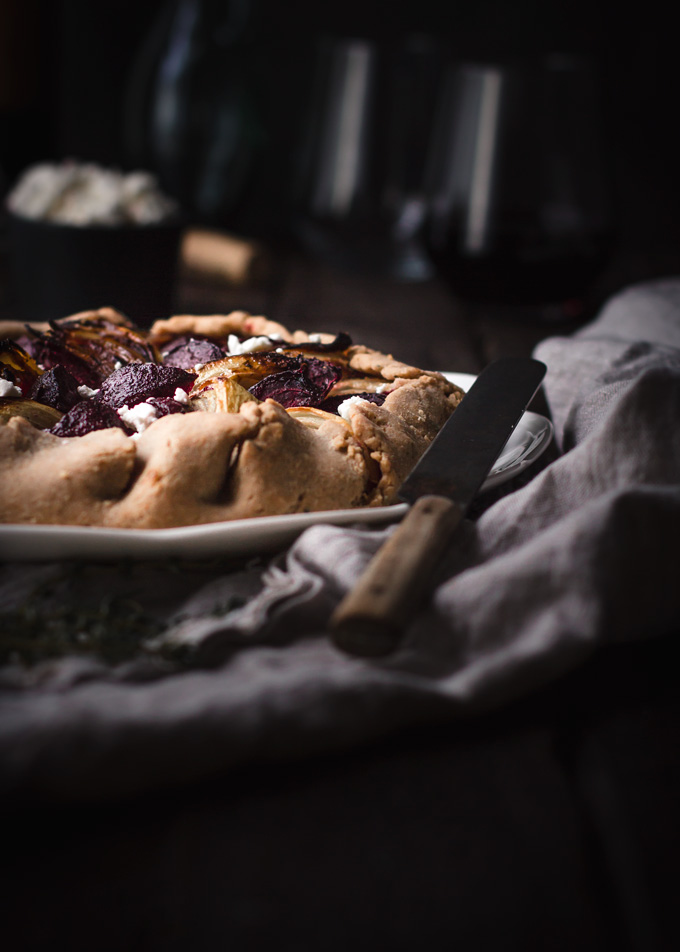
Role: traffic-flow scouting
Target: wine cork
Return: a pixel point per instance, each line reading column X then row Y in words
column 222, row 258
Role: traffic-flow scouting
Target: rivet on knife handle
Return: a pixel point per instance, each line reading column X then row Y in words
column 370, row 621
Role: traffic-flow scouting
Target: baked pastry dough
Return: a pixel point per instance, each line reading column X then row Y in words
column 225, row 453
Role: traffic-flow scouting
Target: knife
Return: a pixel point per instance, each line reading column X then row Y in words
column 370, row 620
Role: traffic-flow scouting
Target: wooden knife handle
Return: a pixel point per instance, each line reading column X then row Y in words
column 370, row 620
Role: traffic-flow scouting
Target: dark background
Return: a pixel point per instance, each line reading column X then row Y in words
column 65, row 70
column 551, row 826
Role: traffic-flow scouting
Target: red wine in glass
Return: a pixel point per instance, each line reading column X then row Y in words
column 519, row 206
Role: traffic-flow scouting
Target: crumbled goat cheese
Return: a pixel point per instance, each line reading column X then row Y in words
column 344, row 407
column 139, row 417
column 76, row 193
column 236, row 347
column 7, row 389
column 181, row 396
column 316, row 339
column 86, row 391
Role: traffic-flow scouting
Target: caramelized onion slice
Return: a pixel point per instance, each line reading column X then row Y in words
column 313, row 417
column 327, row 343
column 91, row 349
column 108, row 341
column 18, row 365
column 245, row 369
column 224, row 395
column 42, row 417
column 354, row 385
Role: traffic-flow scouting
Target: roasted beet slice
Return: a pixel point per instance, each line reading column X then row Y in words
column 331, row 404
column 107, row 342
column 86, row 416
column 186, row 352
column 321, row 374
column 103, row 343
column 305, row 386
column 90, row 349
column 56, row 388
column 289, row 388
column 137, row 382
column 51, row 351
column 166, row 405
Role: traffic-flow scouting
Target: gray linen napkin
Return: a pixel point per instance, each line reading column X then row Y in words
column 583, row 554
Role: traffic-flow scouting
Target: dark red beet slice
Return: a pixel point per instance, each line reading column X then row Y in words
column 50, row 352
column 166, row 405
column 86, row 416
column 186, row 352
column 56, row 388
column 305, row 386
column 135, row 383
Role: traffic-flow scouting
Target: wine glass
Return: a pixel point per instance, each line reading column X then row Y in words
column 357, row 186
column 519, row 206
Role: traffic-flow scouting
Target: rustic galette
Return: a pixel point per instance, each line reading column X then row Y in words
column 203, row 419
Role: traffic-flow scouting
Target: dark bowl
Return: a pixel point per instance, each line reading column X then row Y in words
column 58, row 269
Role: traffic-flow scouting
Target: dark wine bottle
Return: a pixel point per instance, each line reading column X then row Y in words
column 192, row 112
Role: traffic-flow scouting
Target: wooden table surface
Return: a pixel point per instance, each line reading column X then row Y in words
column 550, row 825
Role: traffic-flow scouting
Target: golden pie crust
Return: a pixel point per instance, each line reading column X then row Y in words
column 215, row 464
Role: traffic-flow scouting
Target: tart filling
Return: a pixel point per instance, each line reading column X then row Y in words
column 204, row 419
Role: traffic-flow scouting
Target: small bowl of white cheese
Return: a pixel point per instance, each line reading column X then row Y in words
column 83, row 237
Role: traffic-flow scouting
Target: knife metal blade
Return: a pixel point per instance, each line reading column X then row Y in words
column 460, row 457
column 370, row 619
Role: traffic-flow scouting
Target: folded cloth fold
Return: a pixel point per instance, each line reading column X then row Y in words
column 581, row 555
